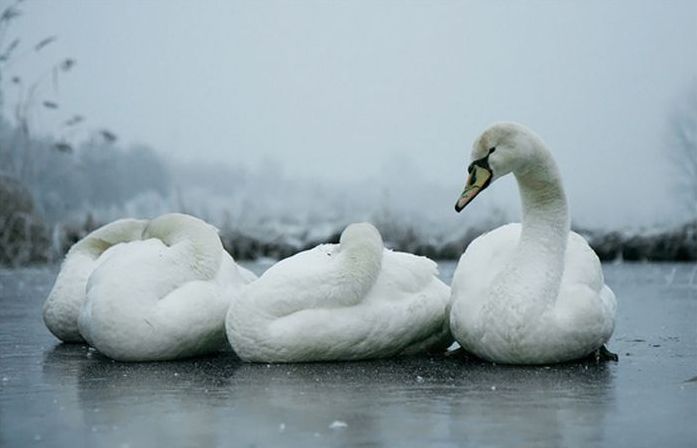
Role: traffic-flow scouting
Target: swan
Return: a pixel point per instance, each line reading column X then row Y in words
column 528, row 293
column 347, row 301
column 139, row 290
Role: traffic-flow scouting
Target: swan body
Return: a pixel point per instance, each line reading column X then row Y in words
column 534, row 292
column 141, row 290
column 347, row 301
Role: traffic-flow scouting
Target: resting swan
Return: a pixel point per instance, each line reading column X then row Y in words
column 347, row 301
column 140, row 290
column 530, row 293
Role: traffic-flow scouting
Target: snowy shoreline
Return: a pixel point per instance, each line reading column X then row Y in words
column 26, row 240
column 676, row 244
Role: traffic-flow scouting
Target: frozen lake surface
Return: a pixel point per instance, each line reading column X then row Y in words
column 67, row 395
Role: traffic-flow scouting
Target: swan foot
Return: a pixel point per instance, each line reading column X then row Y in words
column 604, row 355
column 461, row 353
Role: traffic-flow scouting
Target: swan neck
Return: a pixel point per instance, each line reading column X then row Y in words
column 539, row 256
column 545, row 210
column 197, row 242
column 360, row 265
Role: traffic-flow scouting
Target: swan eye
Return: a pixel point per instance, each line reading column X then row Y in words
column 491, row 150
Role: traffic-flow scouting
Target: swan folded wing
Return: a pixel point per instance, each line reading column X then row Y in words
column 191, row 318
column 429, row 318
column 581, row 264
column 607, row 296
column 406, row 272
column 144, row 302
column 583, row 294
column 142, row 266
column 358, row 332
column 327, row 334
column 487, row 255
column 419, row 302
column 476, row 271
column 62, row 306
column 303, row 264
column 307, row 280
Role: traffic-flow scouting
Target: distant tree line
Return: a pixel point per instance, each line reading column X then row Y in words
column 63, row 195
column 52, row 190
column 66, row 184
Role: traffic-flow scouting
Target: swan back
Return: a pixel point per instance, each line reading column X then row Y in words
column 327, row 276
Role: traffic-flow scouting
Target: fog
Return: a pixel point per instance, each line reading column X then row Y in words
column 377, row 103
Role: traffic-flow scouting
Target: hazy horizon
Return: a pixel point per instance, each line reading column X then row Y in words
column 389, row 93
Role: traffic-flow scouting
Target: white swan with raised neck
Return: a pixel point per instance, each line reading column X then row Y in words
column 346, row 301
column 529, row 293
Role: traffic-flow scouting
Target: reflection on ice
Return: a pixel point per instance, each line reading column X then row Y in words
column 391, row 401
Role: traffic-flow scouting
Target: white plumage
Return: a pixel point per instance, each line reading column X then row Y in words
column 347, row 301
column 530, row 293
column 141, row 290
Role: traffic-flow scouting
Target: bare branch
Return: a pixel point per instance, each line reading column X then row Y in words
column 44, row 42
column 8, row 51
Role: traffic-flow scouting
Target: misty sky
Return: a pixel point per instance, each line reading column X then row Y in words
column 351, row 90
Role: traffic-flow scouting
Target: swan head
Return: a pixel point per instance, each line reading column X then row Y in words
column 361, row 236
column 501, row 149
column 361, row 250
column 197, row 241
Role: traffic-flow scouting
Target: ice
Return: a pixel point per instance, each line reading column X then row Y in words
column 337, row 424
column 651, row 391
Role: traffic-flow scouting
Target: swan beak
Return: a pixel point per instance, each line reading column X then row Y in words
column 478, row 179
